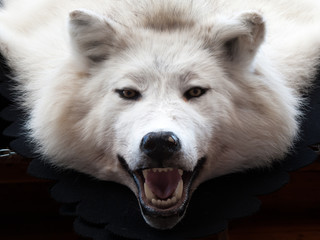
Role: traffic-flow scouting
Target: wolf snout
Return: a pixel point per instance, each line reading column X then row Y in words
column 160, row 145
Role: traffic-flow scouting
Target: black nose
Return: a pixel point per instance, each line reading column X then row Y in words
column 160, row 145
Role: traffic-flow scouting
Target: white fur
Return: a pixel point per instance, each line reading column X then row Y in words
column 248, row 118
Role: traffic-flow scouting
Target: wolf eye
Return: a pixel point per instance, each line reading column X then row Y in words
column 128, row 94
column 194, row 92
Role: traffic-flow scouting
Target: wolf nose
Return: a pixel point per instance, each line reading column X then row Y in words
column 160, row 145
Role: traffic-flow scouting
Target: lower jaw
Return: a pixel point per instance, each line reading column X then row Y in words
column 154, row 210
column 167, row 218
column 161, row 222
column 163, row 218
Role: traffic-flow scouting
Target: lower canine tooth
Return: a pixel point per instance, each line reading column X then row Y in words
column 173, row 200
column 179, row 190
column 149, row 194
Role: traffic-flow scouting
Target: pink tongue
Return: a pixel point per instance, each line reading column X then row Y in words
column 163, row 184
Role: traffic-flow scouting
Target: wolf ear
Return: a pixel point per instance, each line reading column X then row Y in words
column 242, row 37
column 94, row 37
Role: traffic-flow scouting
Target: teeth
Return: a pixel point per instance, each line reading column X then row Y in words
column 148, row 192
column 145, row 173
column 177, row 195
column 179, row 190
column 164, row 203
column 160, row 169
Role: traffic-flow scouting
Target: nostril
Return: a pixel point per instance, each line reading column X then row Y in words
column 148, row 143
column 172, row 142
column 160, row 145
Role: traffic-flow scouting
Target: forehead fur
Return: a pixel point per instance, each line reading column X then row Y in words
column 168, row 18
column 171, row 15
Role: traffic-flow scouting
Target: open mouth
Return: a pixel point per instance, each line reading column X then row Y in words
column 164, row 192
column 162, row 187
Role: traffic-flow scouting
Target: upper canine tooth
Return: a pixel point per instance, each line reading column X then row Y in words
column 180, row 172
column 145, row 173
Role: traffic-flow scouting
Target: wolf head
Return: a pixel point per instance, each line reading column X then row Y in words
column 165, row 105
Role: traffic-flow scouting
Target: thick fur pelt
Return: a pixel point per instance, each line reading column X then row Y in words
column 148, row 91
